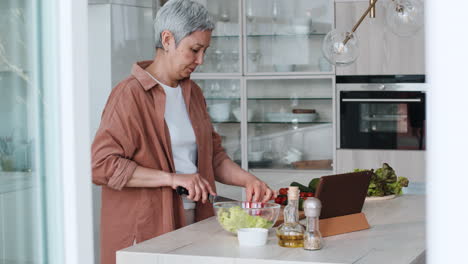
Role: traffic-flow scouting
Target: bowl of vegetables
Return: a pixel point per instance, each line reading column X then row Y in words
column 235, row 215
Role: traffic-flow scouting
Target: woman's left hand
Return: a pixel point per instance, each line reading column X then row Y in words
column 258, row 191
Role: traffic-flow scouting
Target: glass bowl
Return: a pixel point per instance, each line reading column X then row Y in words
column 235, row 215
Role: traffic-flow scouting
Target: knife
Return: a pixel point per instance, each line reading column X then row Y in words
column 182, row 191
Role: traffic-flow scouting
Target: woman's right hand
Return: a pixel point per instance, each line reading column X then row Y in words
column 197, row 187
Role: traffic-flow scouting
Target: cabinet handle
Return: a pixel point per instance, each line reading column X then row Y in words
column 381, row 100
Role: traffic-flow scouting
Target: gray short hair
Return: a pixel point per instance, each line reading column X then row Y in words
column 181, row 18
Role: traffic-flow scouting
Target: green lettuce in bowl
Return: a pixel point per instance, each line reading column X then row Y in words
column 234, row 215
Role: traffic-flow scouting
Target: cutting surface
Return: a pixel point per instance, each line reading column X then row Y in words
column 397, row 235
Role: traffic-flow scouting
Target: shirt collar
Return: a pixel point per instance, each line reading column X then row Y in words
column 139, row 72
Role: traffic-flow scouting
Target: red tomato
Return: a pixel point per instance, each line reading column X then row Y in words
column 309, row 194
column 283, row 191
column 278, row 200
column 302, row 194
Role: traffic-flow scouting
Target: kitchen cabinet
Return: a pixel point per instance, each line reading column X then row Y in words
column 268, row 89
column 382, row 52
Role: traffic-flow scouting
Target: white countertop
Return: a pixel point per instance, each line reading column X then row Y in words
column 397, row 235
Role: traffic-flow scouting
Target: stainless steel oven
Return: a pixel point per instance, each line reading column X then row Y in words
column 382, row 119
column 382, row 116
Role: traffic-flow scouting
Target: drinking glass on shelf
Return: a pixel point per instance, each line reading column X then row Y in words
column 275, row 14
column 215, row 89
column 250, row 15
column 224, row 17
column 207, row 63
column 294, row 124
column 254, row 57
column 234, row 64
column 294, row 99
column 218, row 56
column 234, row 91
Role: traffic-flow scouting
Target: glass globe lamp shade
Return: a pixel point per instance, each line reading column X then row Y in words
column 405, row 17
column 338, row 53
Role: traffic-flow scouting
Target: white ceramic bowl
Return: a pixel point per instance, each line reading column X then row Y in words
column 291, row 157
column 256, row 155
column 290, row 117
column 237, row 114
column 284, row 67
column 252, row 237
column 301, row 29
column 220, row 112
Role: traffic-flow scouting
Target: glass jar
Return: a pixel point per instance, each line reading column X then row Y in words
column 291, row 233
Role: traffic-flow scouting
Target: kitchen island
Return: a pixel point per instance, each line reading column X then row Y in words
column 397, row 235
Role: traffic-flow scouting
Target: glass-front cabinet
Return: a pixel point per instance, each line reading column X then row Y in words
column 290, row 123
column 275, row 37
column 268, row 88
column 223, row 101
column 285, row 36
column 223, row 55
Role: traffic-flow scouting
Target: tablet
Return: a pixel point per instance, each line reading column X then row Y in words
column 342, row 194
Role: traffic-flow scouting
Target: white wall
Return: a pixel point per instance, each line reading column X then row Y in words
column 446, row 55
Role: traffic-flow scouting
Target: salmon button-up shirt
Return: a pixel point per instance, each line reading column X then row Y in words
column 133, row 133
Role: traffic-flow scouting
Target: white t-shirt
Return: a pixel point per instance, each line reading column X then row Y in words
column 183, row 142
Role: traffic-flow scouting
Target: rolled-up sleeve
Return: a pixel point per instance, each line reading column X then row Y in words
column 112, row 151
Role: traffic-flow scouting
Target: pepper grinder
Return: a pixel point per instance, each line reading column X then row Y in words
column 312, row 237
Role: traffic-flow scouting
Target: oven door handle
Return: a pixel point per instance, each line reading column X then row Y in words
column 378, row 100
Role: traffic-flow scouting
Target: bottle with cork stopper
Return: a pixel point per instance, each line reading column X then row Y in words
column 291, row 232
column 312, row 237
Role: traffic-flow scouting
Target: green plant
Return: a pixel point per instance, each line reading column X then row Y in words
column 6, row 152
column 6, row 146
column 384, row 181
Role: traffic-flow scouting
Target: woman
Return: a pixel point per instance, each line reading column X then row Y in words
column 156, row 135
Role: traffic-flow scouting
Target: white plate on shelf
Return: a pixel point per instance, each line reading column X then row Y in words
column 380, row 198
column 290, row 117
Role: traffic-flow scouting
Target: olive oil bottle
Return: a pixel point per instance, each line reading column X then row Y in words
column 291, row 232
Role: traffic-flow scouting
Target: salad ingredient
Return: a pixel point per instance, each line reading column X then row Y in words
column 302, row 188
column 283, row 191
column 305, row 191
column 384, row 181
column 235, row 217
column 313, row 184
